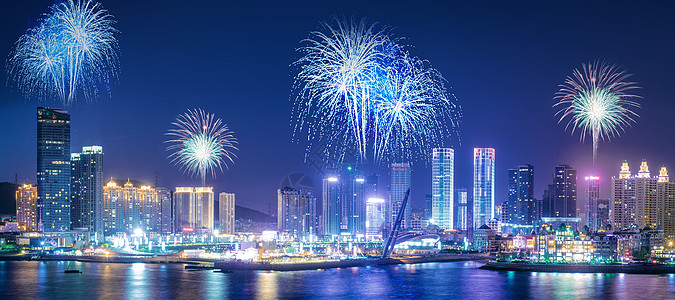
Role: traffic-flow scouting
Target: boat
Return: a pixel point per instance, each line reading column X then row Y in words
column 72, row 271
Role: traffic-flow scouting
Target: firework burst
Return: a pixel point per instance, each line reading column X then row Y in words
column 597, row 100
column 358, row 88
column 201, row 143
column 73, row 50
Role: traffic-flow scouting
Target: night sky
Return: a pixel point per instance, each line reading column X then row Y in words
column 503, row 61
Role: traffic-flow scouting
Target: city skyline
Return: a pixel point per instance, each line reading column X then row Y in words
column 257, row 191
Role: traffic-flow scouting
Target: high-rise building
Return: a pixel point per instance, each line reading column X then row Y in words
column 399, row 184
column 375, row 211
column 483, row 186
column 128, row 207
column 521, row 195
column 53, row 169
column 331, row 206
column 226, row 202
column 165, row 225
column 86, row 189
column 642, row 200
column 193, row 209
column 297, row 206
column 26, row 207
column 353, row 202
column 565, row 193
column 442, row 187
column 291, row 207
column 597, row 210
column 461, row 201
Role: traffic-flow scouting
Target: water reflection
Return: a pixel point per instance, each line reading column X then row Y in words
column 30, row 280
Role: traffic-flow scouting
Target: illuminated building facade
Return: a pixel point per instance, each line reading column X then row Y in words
column 483, row 186
column 331, row 206
column 53, row 169
column 26, row 207
column 442, row 188
column 521, row 196
column 643, row 200
column 226, row 213
column 291, row 207
column 127, row 207
column 597, row 210
column 461, row 201
column 564, row 244
column 352, row 184
column 375, row 212
column 86, row 189
column 560, row 200
column 399, row 184
column 194, row 209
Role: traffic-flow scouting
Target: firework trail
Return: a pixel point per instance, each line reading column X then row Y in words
column 73, row 50
column 201, row 143
column 357, row 87
column 598, row 101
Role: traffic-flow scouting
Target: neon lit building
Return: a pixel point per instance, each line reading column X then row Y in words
column 194, row 209
column 129, row 207
column 442, row 188
column 597, row 210
column 483, row 186
column 26, row 207
column 53, row 169
column 86, row 189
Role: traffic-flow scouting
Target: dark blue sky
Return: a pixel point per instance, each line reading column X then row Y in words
column 503, row 60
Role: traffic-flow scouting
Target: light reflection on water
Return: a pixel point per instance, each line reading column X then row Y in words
column 28, row 280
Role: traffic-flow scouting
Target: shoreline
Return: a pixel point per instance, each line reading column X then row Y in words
column 633, row 268
column 321, row 265
column 252, row 266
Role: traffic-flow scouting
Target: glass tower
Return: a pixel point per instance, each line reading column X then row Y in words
column 226, row 208
column 442, row 188
column 483, row 186
column 53, row 169
column 521, row 195
column 331, row 206
column 86, row 187
column 400, row 183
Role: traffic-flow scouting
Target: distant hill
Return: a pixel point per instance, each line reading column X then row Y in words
column 7, row 198
column 241, row 212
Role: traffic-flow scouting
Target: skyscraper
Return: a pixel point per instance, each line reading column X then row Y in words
column 353, row 202
column 291, row 207
column 297, row 206
column 442, row 187
column 565, row 192
column 331, row 206
column 483, row 185
column 594, row 207
column 26, row 206
column 129, row 206
column 461, row 201
column 86, row 189
column 165, row 225
column 226, row 201
column 193, row 209
column 521, row 195
column 400, row 183
column 53, row 169
column 375, row 210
